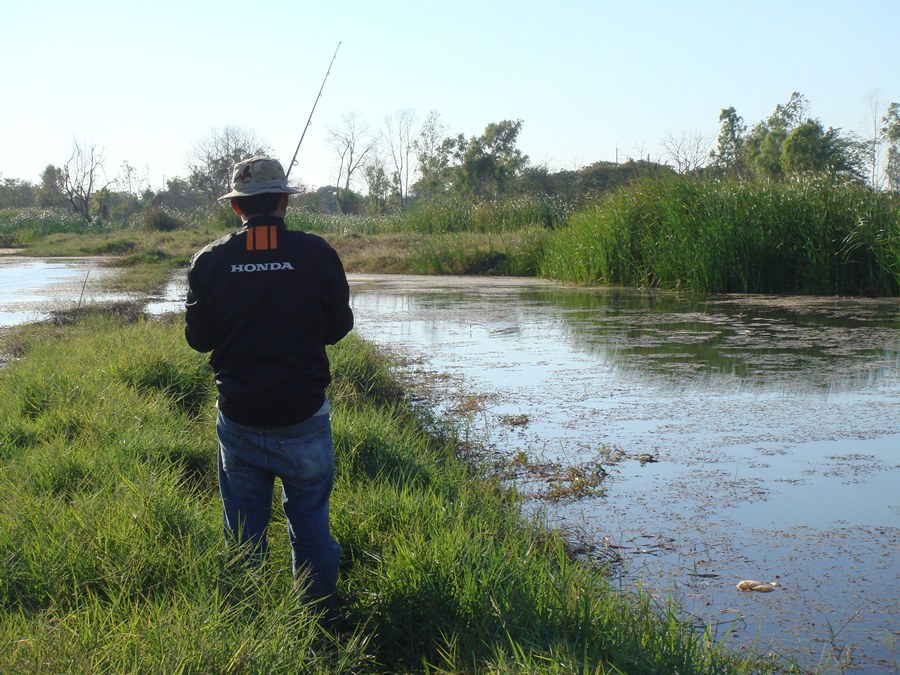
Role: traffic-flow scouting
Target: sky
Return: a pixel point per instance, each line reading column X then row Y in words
column 591, row 80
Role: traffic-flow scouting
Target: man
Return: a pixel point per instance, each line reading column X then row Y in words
column 266, row 301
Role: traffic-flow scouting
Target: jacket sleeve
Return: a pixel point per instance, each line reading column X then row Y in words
column 338, row 313
column 198, row 316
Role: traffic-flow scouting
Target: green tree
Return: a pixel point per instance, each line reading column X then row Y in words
column 809, row 148
column 489, row 163
column 15, row 193
column 728, row 155
column 379, row 185
column 48, row 194
column 433, row 153
column 180, row 195
column 762, row 147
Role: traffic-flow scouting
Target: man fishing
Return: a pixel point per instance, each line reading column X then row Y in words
column 265, row 301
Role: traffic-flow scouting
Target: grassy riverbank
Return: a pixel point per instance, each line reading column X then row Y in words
column 810, row 236
column 111, row 554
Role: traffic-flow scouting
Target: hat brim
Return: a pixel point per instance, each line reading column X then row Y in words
column 261, row 191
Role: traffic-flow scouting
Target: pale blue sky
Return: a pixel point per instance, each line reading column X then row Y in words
column 146, row 80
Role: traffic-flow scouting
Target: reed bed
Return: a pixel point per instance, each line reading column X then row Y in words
column 441, row 216
column 810, row 235
column 112, row 557
column 506, row 253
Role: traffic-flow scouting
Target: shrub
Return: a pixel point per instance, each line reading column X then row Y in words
column 159, row 219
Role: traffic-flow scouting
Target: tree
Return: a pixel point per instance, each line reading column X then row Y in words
column 15, row 193
column 762, row 147
column 809, row 148
column 791, row 114
column 377, row 183
column 689, row 151
column 48, row 193
column 352, row 143
column 179, row 195
column 729, row 155
column 433, row 157
column 488, row 163
column 80, row 178
column 211, row 160
column 891, row 130
column 397, row 137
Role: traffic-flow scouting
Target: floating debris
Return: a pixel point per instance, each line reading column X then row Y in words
column 758, row 586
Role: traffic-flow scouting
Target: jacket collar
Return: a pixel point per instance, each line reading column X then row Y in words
column 253, row 221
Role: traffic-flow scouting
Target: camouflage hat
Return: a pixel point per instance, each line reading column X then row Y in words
column 257, row 175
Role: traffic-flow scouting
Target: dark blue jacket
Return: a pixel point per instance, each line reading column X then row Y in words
column 266, row 301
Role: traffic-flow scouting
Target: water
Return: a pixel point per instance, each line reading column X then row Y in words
column 774, row 423
column 31, row 289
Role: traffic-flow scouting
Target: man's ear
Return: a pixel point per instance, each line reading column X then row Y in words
column 235, row 207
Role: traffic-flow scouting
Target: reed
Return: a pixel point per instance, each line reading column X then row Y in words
column 810, row 235
column 112, row 559
column 506, row 253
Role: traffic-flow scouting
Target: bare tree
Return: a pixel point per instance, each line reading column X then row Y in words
column 873, row 152
column 688, row 150
column 211, row 159
column 80, row 178
column 352, row 142
column 398, row 130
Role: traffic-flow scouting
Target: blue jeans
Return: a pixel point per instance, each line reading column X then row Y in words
column 302, row 456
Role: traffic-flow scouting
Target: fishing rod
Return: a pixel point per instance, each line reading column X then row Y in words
column 309, row 121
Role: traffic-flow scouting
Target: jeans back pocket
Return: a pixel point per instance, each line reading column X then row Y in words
column 310, row 457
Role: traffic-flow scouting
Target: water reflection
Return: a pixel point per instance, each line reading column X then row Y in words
column 775, row 422
column 31, row 289
column 801, row 344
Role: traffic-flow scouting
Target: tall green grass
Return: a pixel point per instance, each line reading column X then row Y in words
column 112, row 557
column 506, row 253
column 503, row 215
column 810, row 235
column 441, row 216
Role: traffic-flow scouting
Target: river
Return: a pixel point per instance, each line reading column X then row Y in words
column 732, row 438
column 742, row 438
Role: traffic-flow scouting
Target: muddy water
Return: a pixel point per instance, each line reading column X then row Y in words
column 741, row 438
column 737, row 437
column 31, row 289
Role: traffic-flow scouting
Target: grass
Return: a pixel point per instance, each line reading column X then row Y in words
column 811, row 235
column 20, row 227
column 112, row 558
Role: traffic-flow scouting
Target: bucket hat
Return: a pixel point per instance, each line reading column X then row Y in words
column 257, row 175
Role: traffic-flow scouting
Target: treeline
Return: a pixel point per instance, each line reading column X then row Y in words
column 790, row 142
column 786, row 206
column 389, row 170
